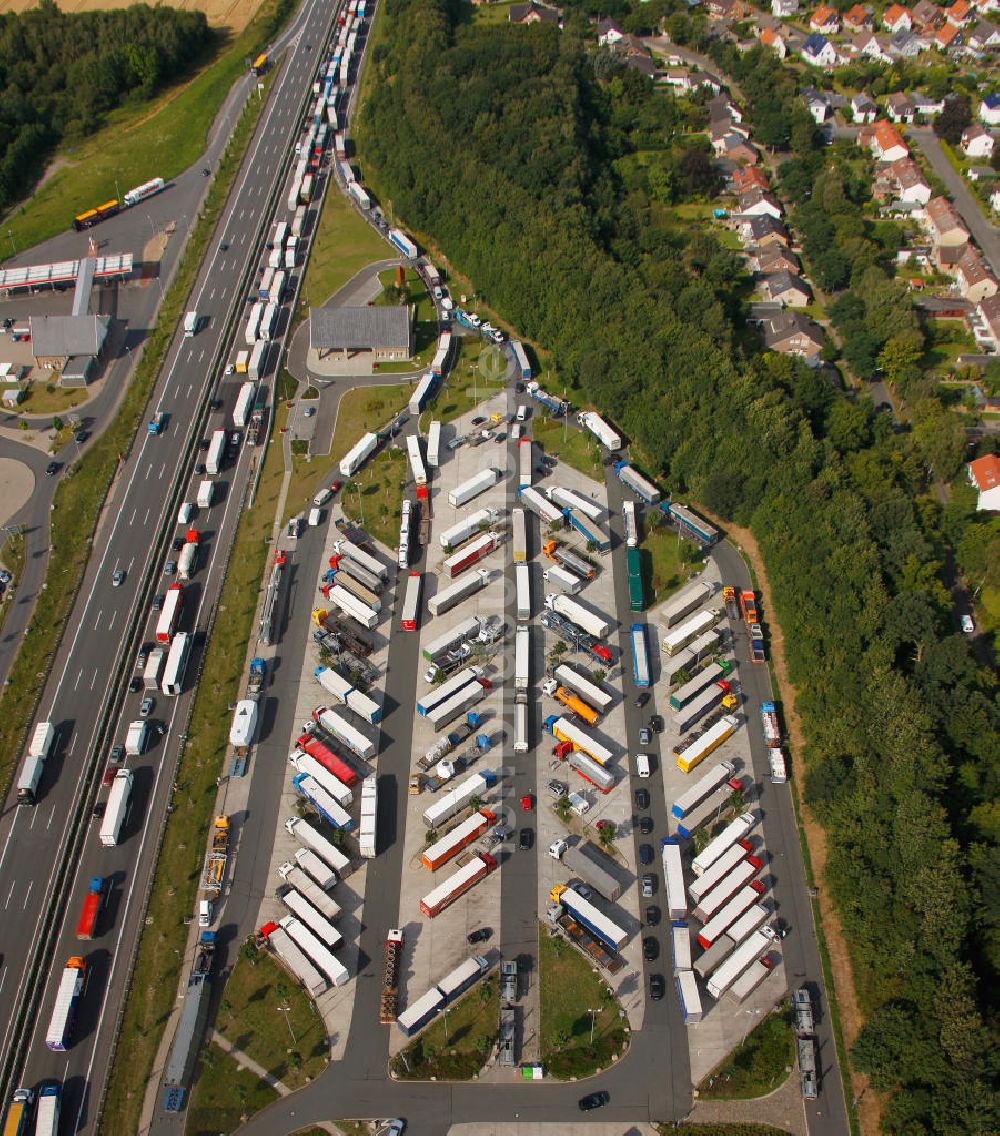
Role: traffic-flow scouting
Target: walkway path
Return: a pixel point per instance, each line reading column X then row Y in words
column 246, row 1062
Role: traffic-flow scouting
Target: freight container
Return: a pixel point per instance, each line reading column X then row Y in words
column 705, row 677
column 689, row 998
column 471, row 553
column 673, row 878
column 470, row 695
column 411, row 603
column 350, row 605
column 705, row 785
column 727, row 915
column 520, row 727
column 452, row 802
column 525, row 463
column 705, row 812
column 368, row 831
column 697, row 625
column 315, row 868
column 358, row 555
column 367, row 709
column 680, row 945
column 634, row 480
column 333, row 683
column 547, row 513
column 708, row 960
column 601, row 778
column 522, row 579
column 358, row 455
column 689, row 657
column 455, row 593
column 68, row 994
column 311, row 766
column 719, row 870
column 576, row 612
column 314, row 949
column 519, row 530
column 457, row 885
column 640, row 658
column 316, row 842
column 340, row 729
column 747, row 923
column 594, row 537
column 564, row 730
column 604, row 433
column 313, row 792
column 566, row 499
column 593, row 867
column 421, row 1013
column 558, row 577
column 712, row 902
column 461, row 836
column 244, row 405
column 749, row 980
column 692, row 754
column 746, row 953
column 474, row 524
column 309, row 743
column 603, row 928
column 588, row 690
column 295, row 877
column 735, row 831
column 320, row 926
column 471, row 488
column 434, row 444
column 296, row 962
column 216, row 453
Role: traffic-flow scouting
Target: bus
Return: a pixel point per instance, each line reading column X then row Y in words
column 95, row 216
column 173, row 672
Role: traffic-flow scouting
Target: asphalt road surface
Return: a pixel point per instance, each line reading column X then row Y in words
column 84, row 681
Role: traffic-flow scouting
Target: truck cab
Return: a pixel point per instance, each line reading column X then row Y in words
column 157, row 423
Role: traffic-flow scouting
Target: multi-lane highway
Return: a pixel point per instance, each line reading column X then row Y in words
column 47, row 853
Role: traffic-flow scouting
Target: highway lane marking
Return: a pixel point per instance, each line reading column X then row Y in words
column 163, row 470
column 131, row 519
column 13, row 884
column 52, row 817
column 97, row 621
column 94, row 679
column 78, row 677
column 146, row 474
column 34, row 817
column 146, row 519
column 189, row 390
column 111, row 622
column 31, row 884
column 3, row 977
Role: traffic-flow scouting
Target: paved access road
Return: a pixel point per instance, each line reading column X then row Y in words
column 100, row 634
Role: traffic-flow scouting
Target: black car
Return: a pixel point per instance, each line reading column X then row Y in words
column 143, row 655
column 98, row 810
column 480, row 935
column 652, row 915
column 646, row 825
column 656, row 987
column 594, row 1100
column 526, row 839
column 656, row 723
column 199, row 468
column 642, row 798
column 641, row 699
column 177, row 544
column 158, row 601
column 81, row 436
column 645, row 736
column 646, row 853
column 650, row 948
column 519, row 387
column 780, row 927
column 135, row 684
column 51, row 469
column 117, row 754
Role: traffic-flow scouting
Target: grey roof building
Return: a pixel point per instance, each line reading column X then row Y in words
column 58, row 337
column 387, row 332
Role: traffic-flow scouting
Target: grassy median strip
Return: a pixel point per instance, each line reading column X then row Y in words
column 225, row 1095
column 457, row 1044
column 755, row 1068
column 569, row 989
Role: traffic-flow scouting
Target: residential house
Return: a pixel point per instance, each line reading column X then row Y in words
column 825, row 20
column 776, row 258
column 959, row 14
column 737, row 149
column 887, row 143
column 643, row 64
column 533, row 13
column 985, row 322
column 944, row 226
column 909, row 181
column 927, row 108
column 858, row 19
column 989, row 110
column 987, row 5
column 818, row 51
column 863, row 107
column 867, row 45
column 947, row 37
column 818, row 104
column 734, row 10
column 897, row 18
column 723, row 107
column 900, row 108
column 770, row 38
column 762, row 232
column 973, row 276
column 977, row 142
column 608, row 33
column 787, row 289
column 984, row 473
column 926, row 15
column 984, row 36
column 906, row 44
column 756, row 202
column 981, row 173
column 746, row 177
column 995, row 200
column 792, row 333
column 783, row 9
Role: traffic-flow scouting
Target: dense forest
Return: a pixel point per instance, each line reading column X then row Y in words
column 61, row 73
column 548, row 176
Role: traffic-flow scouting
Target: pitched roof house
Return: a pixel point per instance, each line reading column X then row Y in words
column 825, row 20
column 756, row 202
column 947, row 36
column 770, row 38
column 977, row 142
column 887, row 143
column 818, row 51
column 896, row 17
column 792, row 333
column 910, row 182
column 959, row 14
column 900, row 107
column 533, row 13
column 786, row 288
column 927, row 15
column 989, row 110
column 863, row 108
column 746, row 177
column 984, row 473
column 943, row 224
column 763, row 231
column 858, row 19
column 973, row 276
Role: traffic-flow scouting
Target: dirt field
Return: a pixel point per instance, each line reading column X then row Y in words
column 233, row 14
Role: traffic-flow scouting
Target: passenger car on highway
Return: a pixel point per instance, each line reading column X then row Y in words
column 118, row 578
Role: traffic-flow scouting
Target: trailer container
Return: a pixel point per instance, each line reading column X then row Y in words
column 557, row 407
column 68, row 994
column 434, row 444
column 48, row 1110
column 521, row 727
column 333, row 683
column 296, row 962
column 727, row 915
column 770, row 724
column 269, row 316
column 314, row 949
column 315, row 869
column 588, row 690
column 39, row 748
column 522, row 664
column 749, row 980
column 564, row 730
column 605, row 434
column 704, row 883
column 708, row 960
column 673, row 878
column 250, row 336
column 421, row 1013
column 470, row 695
column 630, row 524
column 461, row 590
column 402, row 242
column 640, row 657
column 360, row 591
column 707, row 675
column 316, row 842
column 689, row 998
column 258, row 360
column 547, row 513
column 525, row 463
column 461, row 633
column 521, row 365
column 320, row 926
column 206, row 493
column 463, row 978
column 472, row 487
column 365, row 559
column 461, row 836
column 576, row 704
column 712, row 902
column 116, row 808
column 357, row 571
column 593, row 867
column 576, row 612
column 689, row 657
column 694, row 753
column 93, row 905
column 634, row 480
column 457, row 885
column 351, row 605
column 441, row 693
column 187, row 562
column 474, row 524
column 604, row 929
column 680, row 945
column 340, row 729
column 313, row 792
column 756, row 643
column 310, row 744
column 358, row 454
column 636, row 592
column 471, row 553
column 688, row 631
column 746, row 953
column 569, row 560
column 718, row 694
column 244, row 405
column 748, row 922
column 415, row 458
column 588, row 530
column 312, row 767
column 368, row 832
column 558, row 577
column 734, row 832
column 522, row 580
column 216, row 453
column 704, row 812
column 689, row 524
column 520, row 536
column 705, row 785
column 452, row 802
column 411, row 603
column 776, row 765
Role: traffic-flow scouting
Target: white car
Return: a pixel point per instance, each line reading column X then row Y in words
column 473, row 319
column 968, row 626
column 390, row 1127
column 447, row 303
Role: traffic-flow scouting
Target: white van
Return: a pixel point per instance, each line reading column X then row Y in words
column 185, row 513
column 579, row 804
column 315, row 517
column 205, row 913
column 321, row 498
column 642, row 764
column 522, row 413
